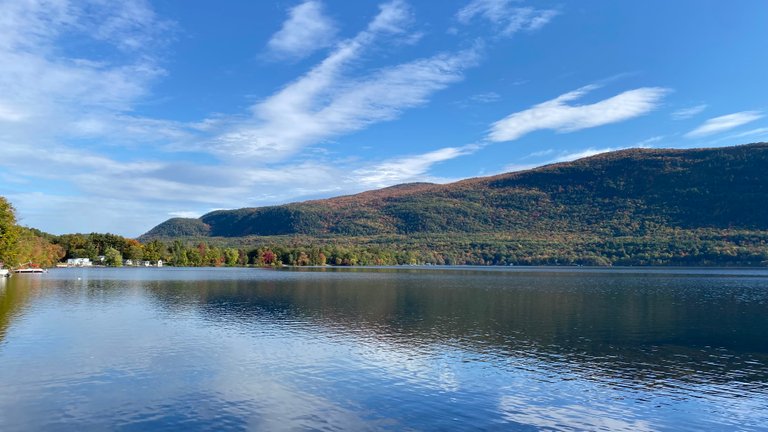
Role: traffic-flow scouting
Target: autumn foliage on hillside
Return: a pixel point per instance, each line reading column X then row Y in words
column 633, row 207
column 621, row 193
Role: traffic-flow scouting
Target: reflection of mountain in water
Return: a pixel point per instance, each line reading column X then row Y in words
column 631, row 326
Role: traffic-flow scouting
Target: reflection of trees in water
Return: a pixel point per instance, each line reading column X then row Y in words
column 19, row 292
column 629, row 327
column 15, row 294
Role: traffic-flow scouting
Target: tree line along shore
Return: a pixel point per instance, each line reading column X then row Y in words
column 637, row 207
column 20, row 245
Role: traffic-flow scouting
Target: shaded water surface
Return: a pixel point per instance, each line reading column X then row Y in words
column 384, row 349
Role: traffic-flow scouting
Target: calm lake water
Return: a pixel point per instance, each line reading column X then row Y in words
column 384, row 349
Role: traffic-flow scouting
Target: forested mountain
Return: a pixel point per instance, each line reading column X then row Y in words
column 625, row 193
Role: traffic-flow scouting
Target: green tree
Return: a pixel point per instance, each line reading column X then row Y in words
column 179, row 254
column 134, row 250
column 153, row 251
column 113, row 257
column 9, row 234
column 194, row 258
column 213, row 257
column 232, row 256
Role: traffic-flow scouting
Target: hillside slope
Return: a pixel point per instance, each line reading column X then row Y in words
column 623, row 193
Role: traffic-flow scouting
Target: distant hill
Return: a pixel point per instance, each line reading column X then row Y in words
column 179, row 227
column 622, row 193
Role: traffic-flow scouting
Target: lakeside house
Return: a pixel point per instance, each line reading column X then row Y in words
column 142, row 263
column 79, row 262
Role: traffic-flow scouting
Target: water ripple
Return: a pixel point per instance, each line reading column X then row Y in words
column 392, row 349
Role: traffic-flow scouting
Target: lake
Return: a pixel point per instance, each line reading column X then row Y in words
column 213, row 349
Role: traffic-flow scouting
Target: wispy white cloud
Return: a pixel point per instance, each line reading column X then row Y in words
column 63, row 161
column 505, row 16
column 408, row 168
column 542, row 153
column 557, row 115
column 648, row 142
column 40, row 85
column 327, row 102
column 289, row 120
column 763, row 131
column 572, row 156
column 478, row 99
column 60, row 113
column 686, row 113
column 88, row 108
column 129, row 25
column 306, row 30
column 515, row 167
column 155, row 188
column 724, row 123
column 190, row 214
column 486, row 97
column 753, row 135
column 393, row 17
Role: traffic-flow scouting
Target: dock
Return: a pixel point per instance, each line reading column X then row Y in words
column 29, row 270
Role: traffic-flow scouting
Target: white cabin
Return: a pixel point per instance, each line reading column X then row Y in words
column 79, row 262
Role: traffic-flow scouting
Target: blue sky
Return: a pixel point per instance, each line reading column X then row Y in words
column 115, row 116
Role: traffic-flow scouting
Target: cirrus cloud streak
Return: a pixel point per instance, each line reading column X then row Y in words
column 724, row 123
column 558, row 115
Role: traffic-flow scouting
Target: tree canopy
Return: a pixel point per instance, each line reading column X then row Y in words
column 9, row 234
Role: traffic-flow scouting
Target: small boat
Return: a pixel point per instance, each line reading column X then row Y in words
column 4, row 273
